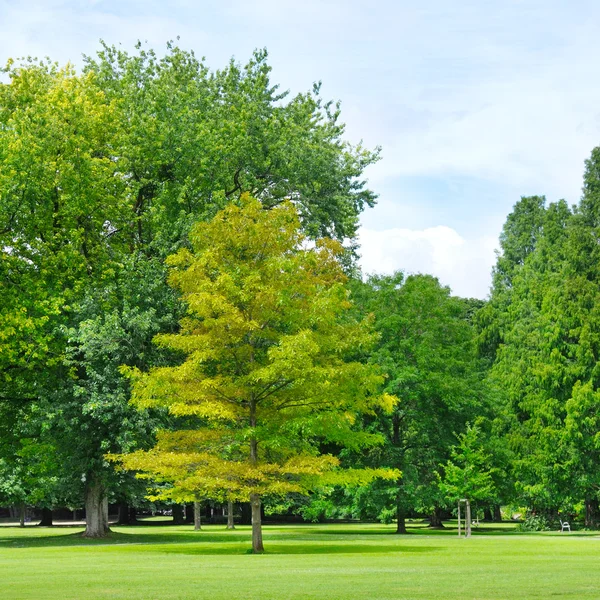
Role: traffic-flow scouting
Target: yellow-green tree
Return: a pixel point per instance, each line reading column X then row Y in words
column 266, row 371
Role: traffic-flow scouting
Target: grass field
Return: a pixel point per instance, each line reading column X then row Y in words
column 352, row 562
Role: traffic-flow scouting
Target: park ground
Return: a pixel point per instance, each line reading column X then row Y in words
column 340, row 561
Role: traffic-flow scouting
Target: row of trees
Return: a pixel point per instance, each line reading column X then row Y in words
column 180, row 299
column 103, row 175
column 541, row 333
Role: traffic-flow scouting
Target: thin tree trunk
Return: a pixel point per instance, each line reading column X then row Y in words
column 46, row 520
column 497, row 514
column 96, row 510
column 487, row 514
column 255, row 501
column 197, row 516
column 401, row 520
column 257, row 540
column 468, row 520
column 591, row 512
column 22, row 514
column 230, row 523
column 133, row 515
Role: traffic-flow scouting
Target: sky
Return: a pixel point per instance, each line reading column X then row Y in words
column 474, row 103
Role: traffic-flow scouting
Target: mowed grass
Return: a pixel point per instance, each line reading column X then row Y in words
column 302, row 562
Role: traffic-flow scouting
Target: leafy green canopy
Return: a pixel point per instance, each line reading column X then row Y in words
column 266, row 374
column 427, row 349
column 469, row 474
column 192, row 140
column 102, row 175
column 542, row 329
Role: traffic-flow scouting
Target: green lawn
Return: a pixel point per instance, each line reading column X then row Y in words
column 306, row 561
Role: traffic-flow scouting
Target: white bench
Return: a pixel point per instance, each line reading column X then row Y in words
column 564, row 526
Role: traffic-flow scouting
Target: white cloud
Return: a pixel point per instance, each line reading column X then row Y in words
column 463, row 264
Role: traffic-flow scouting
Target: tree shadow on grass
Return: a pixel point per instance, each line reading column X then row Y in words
column 204, row 543
column 120, row 539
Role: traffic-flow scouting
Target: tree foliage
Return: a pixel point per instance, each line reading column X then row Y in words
column 103, row 173
column 427, row 350
column 546, row 329
column 267, row 370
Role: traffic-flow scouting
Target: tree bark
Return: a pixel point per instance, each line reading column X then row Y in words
column 255, row 501
column 401, row 520
column 46, row 520
column 178, row 517
column 96, row 510
column 487, row 514
column 197, row 516
column 468, row 520
column 257, row 540
column 230, row 522
column 436, row 519
column 497, row 514
column 22, row 514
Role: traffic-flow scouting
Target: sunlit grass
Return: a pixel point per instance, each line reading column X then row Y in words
column 302, row 561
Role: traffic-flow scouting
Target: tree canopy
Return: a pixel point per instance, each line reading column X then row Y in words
column 268, row 370
column 103, row 173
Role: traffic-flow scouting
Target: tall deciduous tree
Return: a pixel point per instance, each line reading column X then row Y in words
column 267, row 341
column 102, row 175
column 427, row 349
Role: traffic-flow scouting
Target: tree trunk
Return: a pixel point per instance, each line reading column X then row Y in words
column 468, row 520
column 124, row 514
column 257, row 541
column 22, row 514
column 133, row 515
column 178, row 517
column 487, row 514
column 189, row 512
column 255, row 502
column 246, row 518
column 436, row 519
column 230, row 523
column 497, row 514
column 401, row 520
column 591, row 512
column 197, row 516
column 96, row 510
column 46, row 520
